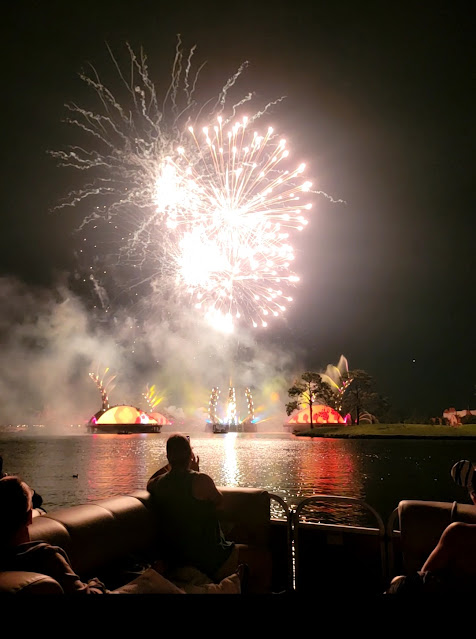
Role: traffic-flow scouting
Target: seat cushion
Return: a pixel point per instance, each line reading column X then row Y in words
column 245, row 516
column 149, row 583
column 45, row 528
column 20, row 582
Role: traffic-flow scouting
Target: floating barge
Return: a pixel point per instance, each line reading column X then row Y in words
column 242, row 427
column 123, row 429
column 124, row 419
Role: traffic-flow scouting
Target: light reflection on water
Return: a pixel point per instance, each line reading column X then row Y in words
column 380, row 472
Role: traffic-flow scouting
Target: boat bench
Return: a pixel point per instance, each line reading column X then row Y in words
column 110, row 539
column 421, row 526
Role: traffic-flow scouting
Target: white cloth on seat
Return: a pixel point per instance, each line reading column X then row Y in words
column 150, row 582
column 194, row 582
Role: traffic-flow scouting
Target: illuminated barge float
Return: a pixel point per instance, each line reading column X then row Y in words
column 123, row 418
column 321, row 415
column 231, row 422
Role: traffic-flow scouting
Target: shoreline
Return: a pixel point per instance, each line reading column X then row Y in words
column 354, row 436
column 388, row 431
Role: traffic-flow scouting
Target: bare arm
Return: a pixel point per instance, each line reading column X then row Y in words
column 204, row 489
column 439, row 558
column 454, row 553
column 161, row 471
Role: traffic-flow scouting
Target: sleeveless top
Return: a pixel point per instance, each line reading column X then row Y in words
column 190, row 528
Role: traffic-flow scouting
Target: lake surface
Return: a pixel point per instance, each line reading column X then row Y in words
column 380, row 472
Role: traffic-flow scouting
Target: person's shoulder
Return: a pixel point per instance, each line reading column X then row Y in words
column 157, row 483
column 204, row 487
column 202, row 478
column 37, row 549
column 44, row 547
column 31, row 546
column 160, row 479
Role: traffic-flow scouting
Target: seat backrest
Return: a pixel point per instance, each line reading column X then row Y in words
column 20, row 582
column 97, row 535
column 246, row 515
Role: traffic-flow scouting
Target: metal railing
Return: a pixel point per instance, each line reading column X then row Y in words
column 392, row 534
column 289, row 539
column 380, row 530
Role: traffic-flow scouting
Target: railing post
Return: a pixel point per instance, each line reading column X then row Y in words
column 342, row 499
column 390, row 544
column 289, row 539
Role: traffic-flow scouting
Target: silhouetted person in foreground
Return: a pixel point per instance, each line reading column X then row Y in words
column 187, row 501
column 451, row 567
column 37, row 500
column 18, row 552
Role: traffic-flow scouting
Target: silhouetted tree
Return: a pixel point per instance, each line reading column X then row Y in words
column 360, row 395
column 307, row 390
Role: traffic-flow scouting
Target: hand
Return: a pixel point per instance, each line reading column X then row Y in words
column 194, row 460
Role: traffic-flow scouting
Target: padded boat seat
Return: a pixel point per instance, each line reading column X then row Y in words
column 101, row 538
column 20, row 582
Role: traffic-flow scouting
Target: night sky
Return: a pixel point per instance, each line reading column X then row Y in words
column 380, row 105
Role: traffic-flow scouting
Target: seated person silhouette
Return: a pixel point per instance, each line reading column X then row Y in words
column 37, row 500
column 451, row 566
column 188, row 501
column 18, row 552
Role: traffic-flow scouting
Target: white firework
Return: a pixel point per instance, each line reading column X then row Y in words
column 232, row 206
column 209, row 215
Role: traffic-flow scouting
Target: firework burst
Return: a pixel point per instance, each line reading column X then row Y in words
column 232, row 206
column 200, row 204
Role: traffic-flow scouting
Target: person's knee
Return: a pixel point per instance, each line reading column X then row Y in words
column 406, row 585
column 229, row 567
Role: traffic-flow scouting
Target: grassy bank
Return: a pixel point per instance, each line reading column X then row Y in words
column 392, row 430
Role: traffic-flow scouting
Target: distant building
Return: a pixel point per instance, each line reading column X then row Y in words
column 453, row 416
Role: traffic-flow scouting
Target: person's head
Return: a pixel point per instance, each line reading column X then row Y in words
column 15, row 509
column 179, row 451
column 463, row 474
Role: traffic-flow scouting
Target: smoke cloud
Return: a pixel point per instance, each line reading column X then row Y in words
column 51, row 341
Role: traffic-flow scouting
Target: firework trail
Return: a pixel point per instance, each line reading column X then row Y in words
column 103, row 382
column 151, row 397
column 200, row 205
column 338, row 379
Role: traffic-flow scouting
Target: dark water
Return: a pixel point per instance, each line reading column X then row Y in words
column 380, row 472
